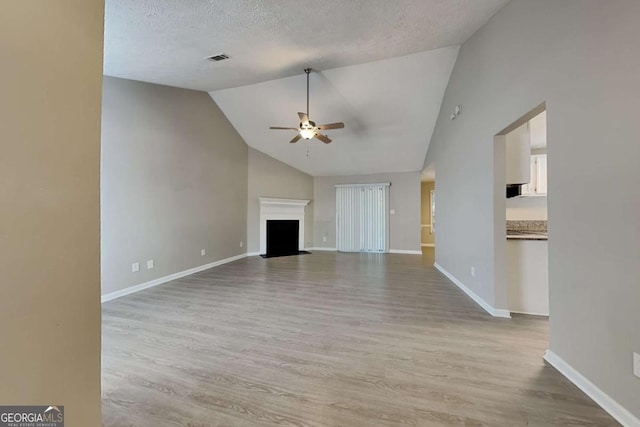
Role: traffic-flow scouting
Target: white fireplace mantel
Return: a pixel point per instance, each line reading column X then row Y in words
column 272, row 208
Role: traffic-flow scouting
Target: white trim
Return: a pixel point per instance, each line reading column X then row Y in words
column 495, row 312
column 388, row 184
column 290, row 202
column 530, row 313
column 155, row 282
column 392, row 251
column 281, row 209
column 606, row 402
column 428, row 245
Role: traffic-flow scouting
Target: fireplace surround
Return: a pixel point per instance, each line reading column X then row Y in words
column 281, row 209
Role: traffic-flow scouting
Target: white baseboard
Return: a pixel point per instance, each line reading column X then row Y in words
column 495, row 312
column 391, row 251
column 428, row 245
column 155, row 282
column 617, row 411
column 529, row 313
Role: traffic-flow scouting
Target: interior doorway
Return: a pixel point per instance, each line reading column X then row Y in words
column 428, row 212
column 520, row 215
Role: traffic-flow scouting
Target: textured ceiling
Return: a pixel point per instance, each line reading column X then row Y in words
column 165, row 41
column 389, row 108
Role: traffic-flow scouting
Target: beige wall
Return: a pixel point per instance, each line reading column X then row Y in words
column 269, row 177
column 404, row 198
column 174, row 181
column 580, row 57
column 427, row 237
column 50, row 81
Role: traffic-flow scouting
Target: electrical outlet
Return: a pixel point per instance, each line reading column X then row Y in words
column 150, row 264
column 473, row 272
column 203, row 252
column 135, row 267
column 241, row 244
column 324, row 238
column 636, row 364
column 392, row 212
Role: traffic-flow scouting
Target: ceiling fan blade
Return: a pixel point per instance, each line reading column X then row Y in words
column 280, row 128
column 322, row 138
column 303, row 117
column 338, row 125
column 295, row 139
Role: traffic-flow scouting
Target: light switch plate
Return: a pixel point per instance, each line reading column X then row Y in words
column 392, row 212
column 636, row 364
column 135, row 267
column 150, row 264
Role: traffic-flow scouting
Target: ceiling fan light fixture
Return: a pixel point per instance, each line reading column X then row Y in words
column 308, row 129
column 307, row 133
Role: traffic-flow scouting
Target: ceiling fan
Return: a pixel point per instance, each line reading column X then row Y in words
column 308, row 129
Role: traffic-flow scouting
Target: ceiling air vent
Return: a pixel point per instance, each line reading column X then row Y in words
column 218, row 57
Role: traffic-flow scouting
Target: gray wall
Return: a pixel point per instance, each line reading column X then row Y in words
column 404, row 197
column 174, row 181
column 51, row 80
column 580, row 56
column 269, row 177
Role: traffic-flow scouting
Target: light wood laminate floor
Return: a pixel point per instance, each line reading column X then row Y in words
column 327, row 340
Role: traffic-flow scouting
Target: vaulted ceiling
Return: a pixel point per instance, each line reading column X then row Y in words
column 378, row 62
column 389, row 108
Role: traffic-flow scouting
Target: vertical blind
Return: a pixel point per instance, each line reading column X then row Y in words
column 362, row 217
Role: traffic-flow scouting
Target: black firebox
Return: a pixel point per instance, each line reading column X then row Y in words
column 282, row 237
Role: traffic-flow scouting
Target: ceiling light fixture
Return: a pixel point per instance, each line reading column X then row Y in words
column 308, row 129
column 307, row 133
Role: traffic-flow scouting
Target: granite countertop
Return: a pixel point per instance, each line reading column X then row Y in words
column 527, row 230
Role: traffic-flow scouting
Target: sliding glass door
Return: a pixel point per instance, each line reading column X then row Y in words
column 362, row 217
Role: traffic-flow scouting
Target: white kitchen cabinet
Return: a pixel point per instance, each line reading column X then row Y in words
column 538, row 176
column 518, row 151
column 528, row 276
column 541, row 173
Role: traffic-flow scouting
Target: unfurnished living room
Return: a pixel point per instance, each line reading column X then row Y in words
column 319, row 213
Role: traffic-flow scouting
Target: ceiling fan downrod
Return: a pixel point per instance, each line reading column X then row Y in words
column 307, row 70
